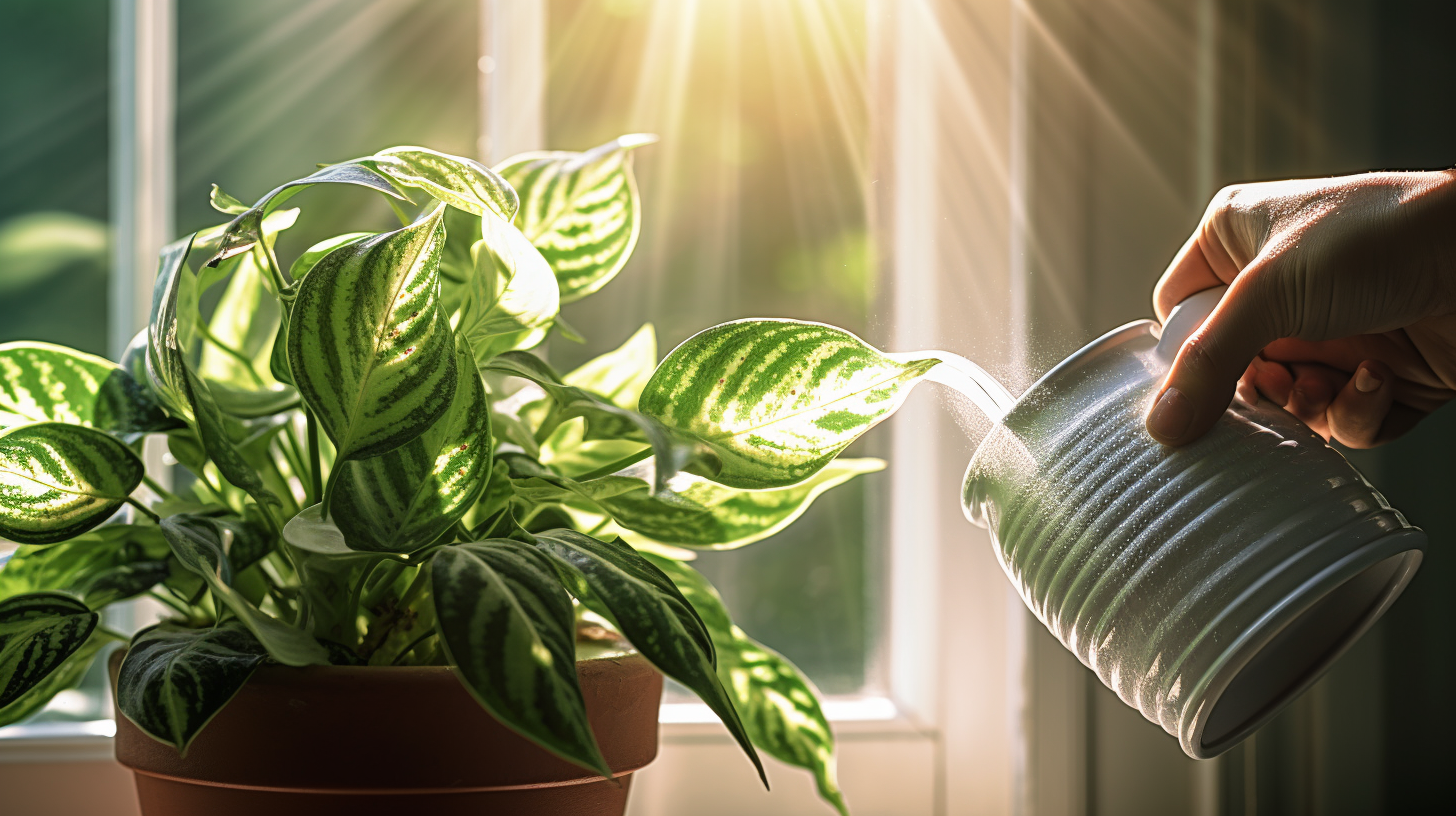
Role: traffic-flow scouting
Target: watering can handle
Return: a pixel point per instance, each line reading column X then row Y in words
column 1185, row 319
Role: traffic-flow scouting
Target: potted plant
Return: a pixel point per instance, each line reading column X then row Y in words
column 391, row 508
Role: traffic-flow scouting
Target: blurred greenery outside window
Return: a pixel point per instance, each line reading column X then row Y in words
column 754, row 202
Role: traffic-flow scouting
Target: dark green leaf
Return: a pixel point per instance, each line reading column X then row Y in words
column 67, row 675
column 200, row 543
column 124, row 581
column 74, row 565
column 777, row 399
column 403, row 500
column 174, row 680
column 37, row 633
column 581, row 210
column 58, row 481
column 460, row 182
column 367, row 343
column 40, row 382
column 506, row 622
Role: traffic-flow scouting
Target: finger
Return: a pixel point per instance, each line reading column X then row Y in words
column 1273, row 380
column 1358, row 413
column 1314, row 388
column 1201, row 383
column 1188, row 274
column 1247, row 391
column 1395, row 349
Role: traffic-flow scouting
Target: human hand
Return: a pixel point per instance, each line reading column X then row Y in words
column 1341, row 306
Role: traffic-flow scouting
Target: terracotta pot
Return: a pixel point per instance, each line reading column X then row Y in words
column 353, row 741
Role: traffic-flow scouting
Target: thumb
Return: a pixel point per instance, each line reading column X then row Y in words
column 1201, row 383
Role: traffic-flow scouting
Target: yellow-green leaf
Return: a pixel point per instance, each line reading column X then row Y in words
column 511, row 296
column 41, row 382
column 460, row 182
column 58, row 481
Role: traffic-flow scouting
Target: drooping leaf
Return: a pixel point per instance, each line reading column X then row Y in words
column 696, row 512
column 40, row 382
column 175, row 680
column 647, row 607
column 124, row 581
column 672, row 452
column 200, row 544
column 460, row 182
column 780, row 707
column 368, row 345
column 65, row 676
column 511, row 296
column 622, row 373
column 507, row 624
column 58, row 481
column 37, row 633
column 402, row 500
column 246, row 230
column 73, row 565
column 224, row 203
column 777, row 399
column 581, row 210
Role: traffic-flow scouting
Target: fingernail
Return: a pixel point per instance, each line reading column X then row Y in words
column 1365, row 382
column 1171, row 416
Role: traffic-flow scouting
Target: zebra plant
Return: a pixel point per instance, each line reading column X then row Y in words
column 379, row 473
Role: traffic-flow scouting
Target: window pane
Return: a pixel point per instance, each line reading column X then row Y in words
column 754, row 205
column 54, row 239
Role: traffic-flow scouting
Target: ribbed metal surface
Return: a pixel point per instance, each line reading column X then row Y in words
column 1149, row 563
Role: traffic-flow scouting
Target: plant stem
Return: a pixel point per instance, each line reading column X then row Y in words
column 329, row 490
column 271, row 264
column 157, row 488
column 169, row 602
column 399, row 212
column 142, row 507
column 315, row 474
column 411, row 647
column 241, row 358
column 607, row 470
column 376, row 593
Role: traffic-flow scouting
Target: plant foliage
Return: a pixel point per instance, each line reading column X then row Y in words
column 379, row 472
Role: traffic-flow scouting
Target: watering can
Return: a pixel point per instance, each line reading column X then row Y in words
column 1208, row 585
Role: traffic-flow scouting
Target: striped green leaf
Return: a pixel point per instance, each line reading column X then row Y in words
column 506, row 622
column 73, row 566
column 368, row 345
column 215, row 432
column 620, row 375
column 780, row 707
column 40, row 382
column 647, row 607
column 511, row 296
column 200, row 544
column 403, row 500
column 581, row 210
column 460, row 182
column 58, row 481
column 696, row 512
column 124, row 581
column 37, row 633
column 175, row 680
column 68, row 675
column 246, row 230
column 777, row 399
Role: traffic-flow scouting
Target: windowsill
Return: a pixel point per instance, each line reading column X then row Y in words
column 58, row 742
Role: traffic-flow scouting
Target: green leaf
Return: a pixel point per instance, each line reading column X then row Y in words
column 311, row 256
column 213, row 429
column 780, row 706
column 175, row 680
column 74, row 565
column 460, row 182
column 507, row 624
column 648, row 608
column 124, row 581
column 620, row 375
column 200, row 543
column 695, row 512
column 68, row 675
column 368, row 345
column 405, row 499
column 581, row 210
column 37, row 633
column 246, row 322
column 58, row 481
column 224, row 203
column 777, row 399
column 511, row 296
column 40, row 382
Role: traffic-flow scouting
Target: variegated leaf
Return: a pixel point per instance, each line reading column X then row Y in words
column 511, row 295
column 175, row 680
column 40, row 382
column 37, row 633
column 368, row 345
column 620, row 375
column 170, row 328
column 506, row 623
column 648, row 608
column 780, row 706
column 201, row 543
column 124, row 581
column 581, row 210
column 695, row 512
column 65, row 676
column 402, row 500
column 246, row 230
column 74, row 565
column 58, row 481
column 777, row 399
column 460, row 182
